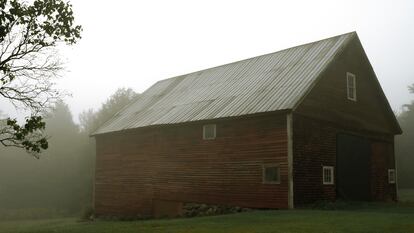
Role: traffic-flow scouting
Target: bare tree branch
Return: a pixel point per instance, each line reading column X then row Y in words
column 29, row 64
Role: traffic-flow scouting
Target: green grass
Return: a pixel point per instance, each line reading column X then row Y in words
column 362, row 218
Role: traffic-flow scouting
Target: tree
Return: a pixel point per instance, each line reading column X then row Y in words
column 29, row 35
column 405, row 146
column 91, row 120
column 62, row 183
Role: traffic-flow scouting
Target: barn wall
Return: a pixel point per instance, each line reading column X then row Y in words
column 141, row 169
column 326, row 111
column 382, row 159
column 314, row 146
column 121, row 184
column 328, row 99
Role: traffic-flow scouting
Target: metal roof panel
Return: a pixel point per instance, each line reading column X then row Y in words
column 266, row 83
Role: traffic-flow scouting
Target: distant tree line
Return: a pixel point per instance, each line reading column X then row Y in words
column 61, row 181
column 404, row 145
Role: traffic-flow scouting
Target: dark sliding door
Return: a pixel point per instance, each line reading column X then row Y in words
column 353, row 168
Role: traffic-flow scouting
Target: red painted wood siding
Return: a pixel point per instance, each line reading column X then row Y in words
column 314, row 146
column 326, row 111
column 382, row 159
column 328, row 99
column 174, row 163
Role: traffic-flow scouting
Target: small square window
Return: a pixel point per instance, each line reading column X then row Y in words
column 271, row 174
column 328, row 174
column 209, row 132
column 391, row 176
column 351, row 86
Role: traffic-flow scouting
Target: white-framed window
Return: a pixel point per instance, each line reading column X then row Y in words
column 209, row 132
column 271, row 174
column 351, row 86
column 391, row 176
column 328, row 174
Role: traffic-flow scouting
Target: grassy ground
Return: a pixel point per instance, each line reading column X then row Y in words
column 355, row 218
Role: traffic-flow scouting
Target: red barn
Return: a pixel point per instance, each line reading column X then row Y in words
column 280, row 130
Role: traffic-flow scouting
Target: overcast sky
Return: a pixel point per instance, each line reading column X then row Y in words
column 136, row 43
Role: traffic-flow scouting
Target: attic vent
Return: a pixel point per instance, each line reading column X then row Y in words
column 209, row 132
column 351, row 86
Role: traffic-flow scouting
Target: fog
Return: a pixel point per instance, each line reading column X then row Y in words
column 60, row 183
column 131, row 44
column 136, row 43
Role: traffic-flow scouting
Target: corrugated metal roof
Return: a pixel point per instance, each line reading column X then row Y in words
column 266, row 83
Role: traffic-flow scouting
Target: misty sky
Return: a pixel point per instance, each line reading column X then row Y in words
column 136, row 43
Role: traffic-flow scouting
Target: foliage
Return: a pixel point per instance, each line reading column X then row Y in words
column 91, row 120
column 378, row 218
column 405, row 146
column 60, row 183
column 27, row 136
column 29, row 34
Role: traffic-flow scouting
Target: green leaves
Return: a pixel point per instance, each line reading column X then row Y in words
column 48, row 21
column 27, row 136
column 29, row 32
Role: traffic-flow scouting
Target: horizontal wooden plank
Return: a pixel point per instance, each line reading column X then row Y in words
column 174, row 163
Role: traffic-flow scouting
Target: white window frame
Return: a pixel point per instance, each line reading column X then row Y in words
column 392, row 178
column 204, row 132
column 332, row 173
column 270, row 165
column 348, row 76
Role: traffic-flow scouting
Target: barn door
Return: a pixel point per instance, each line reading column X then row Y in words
column 353, row 168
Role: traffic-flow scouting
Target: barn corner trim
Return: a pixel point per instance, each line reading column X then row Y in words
column 289, row 127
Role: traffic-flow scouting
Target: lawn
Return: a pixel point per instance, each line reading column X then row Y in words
column 359, row 218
